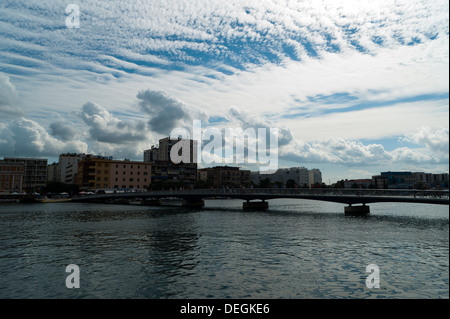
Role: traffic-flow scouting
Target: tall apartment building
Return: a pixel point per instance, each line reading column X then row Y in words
column 65, row 170
column 35, row 177
column 165, row 146
column 219, row 176
column 12, row 176
column 53, row 172
column 103, row 173
column 161, row 153
column 68, row 164
column 315, row 176
column 164, row 169
column 300, row 175
column 151, row 155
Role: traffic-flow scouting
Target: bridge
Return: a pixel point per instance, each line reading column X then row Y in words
column 257, row 198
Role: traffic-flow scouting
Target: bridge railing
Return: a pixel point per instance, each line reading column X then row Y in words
column 219, row 192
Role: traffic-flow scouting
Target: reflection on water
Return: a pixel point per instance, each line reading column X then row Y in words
column 296, row 249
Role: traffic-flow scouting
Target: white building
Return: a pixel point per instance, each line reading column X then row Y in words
column 68, row 165
column 315, row 176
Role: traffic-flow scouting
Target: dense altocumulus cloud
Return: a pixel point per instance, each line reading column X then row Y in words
column 162, row 33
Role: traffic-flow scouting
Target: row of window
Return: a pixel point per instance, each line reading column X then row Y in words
column 11, row 168
column 131, row 179
column 10, row 177
column 115, row 186
column 131, row 173
column 131, row 166
column 232, row 179
column 106, row 172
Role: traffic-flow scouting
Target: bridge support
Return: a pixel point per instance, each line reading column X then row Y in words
column 248, row 205
column 357, row 210
column 151, row 202
column 193, row 203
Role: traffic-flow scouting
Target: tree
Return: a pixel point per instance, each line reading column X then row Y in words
column 339, row 184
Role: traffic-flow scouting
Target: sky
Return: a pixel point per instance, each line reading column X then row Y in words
column 354, row 88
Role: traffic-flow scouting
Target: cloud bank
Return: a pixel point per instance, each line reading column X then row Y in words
column 25, row 137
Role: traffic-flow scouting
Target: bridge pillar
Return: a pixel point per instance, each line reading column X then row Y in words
column 193, row 203
column 248, row 205
column 357, row 210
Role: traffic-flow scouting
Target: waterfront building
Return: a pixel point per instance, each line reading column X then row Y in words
column 169, row 172
column 358, row 183
column 440, row 180
column 68, row 164
column 65, row 170
column 12, row 177
column 164, row 169
column 96, row 172
column 165, row 146
column 35, row 169
column 53, row 172
column 301, row 176
column 400, row 180
column 219, row 176
column 410, row 180
column 315, row 176
column 380, row 182
column 151, row 155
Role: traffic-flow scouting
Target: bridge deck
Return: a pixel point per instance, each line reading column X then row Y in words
column 344, row 196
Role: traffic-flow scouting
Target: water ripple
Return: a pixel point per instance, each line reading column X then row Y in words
column 293, row 250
